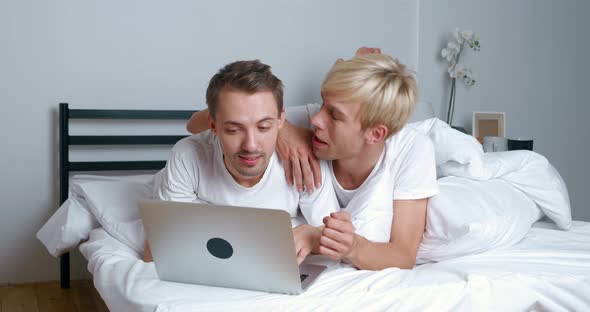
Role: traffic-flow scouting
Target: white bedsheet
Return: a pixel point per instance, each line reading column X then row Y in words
column 547, row 271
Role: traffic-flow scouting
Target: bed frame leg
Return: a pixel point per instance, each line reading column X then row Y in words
column 65, row 270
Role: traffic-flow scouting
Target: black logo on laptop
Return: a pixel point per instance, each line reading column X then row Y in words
column 220, row 248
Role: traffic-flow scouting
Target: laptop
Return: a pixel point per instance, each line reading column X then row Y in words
column 225, row 246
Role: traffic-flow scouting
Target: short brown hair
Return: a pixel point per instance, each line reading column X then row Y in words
column 247, row 76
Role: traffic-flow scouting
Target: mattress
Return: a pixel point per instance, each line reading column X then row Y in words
column 549, row 270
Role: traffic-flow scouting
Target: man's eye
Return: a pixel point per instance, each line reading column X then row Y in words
column 232, row 130
column 263, row 128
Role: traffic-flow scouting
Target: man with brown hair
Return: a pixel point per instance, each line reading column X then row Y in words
column 235, row 163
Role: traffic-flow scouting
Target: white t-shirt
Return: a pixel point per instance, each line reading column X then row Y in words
column 407, row 162
column 195, row 172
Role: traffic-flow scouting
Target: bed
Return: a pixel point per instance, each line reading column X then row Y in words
column 66, row 141
column 499, row 237
column 546, row 271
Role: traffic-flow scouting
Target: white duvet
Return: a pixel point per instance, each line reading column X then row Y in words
column 547, row 271
column 487, row 203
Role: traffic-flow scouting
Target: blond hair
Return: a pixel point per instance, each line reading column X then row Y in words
column 387, row 91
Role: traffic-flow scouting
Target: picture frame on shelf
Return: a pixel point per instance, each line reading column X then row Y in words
column 489, row 124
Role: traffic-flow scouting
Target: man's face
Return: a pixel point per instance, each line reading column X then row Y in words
column 338, row 133
column 247, row 126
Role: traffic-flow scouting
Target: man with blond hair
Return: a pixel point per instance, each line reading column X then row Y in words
column 360, row 129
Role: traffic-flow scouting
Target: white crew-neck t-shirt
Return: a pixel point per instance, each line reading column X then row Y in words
column 195, row 172
column 407, row 161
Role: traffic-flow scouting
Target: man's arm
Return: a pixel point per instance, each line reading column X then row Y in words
column 293, row 147
column 147, row 252
column 301, row 166
column 307, row 240
column 179, row 178
column 198, row 122
column 340, row 242
column 314, row 207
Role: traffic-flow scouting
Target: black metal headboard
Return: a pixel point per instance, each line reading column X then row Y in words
column 66, row 140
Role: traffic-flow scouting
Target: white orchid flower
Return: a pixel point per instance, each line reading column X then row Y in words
column 466, row 75
column 451, row 51
column 452, row 72
column 467, row 35
column 457, row 35
column 453, row 46
column 448, row 54
column 462, row 72
column 468, row 81
column 474, row 43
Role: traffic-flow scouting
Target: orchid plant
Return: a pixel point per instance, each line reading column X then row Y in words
column 451, row 53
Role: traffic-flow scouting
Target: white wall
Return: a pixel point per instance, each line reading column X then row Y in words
column 533, row 65
column 154, row 55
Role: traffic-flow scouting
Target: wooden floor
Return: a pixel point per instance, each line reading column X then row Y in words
column 42, row 297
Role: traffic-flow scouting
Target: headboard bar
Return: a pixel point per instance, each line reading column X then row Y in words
column 116, row 165
column 66, row 140
column 124, row 139
column 64, row 260
column 128, row 114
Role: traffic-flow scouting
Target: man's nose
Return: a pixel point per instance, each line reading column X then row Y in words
column 318, row 119
column 250, row 142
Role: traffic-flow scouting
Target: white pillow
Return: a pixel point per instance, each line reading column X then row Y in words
column 469, row 216
column 532, row 174
column 110, row 201
column 67, row 227
column 114, row 204
column 450, row 146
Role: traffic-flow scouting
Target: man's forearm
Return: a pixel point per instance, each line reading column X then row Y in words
column 147, row 252
column 367, row 255
column 198, row 122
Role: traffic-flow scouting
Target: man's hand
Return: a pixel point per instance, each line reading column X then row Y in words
column 198, row 122
column 365, row 50
column 338, row 238
column 306, row 239
column 301, row 165
column 147, row 253
column 362, row 51
column 406, row 233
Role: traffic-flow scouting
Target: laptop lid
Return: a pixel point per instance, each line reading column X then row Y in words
column 226, row 246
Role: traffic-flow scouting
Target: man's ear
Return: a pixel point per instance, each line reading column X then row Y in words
column 211, row 123
column 376, row 134
column 281, row 118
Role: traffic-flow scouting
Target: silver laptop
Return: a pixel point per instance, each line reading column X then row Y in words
column 236, row 247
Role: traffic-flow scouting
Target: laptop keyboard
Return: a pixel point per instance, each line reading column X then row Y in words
column 303, row 277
